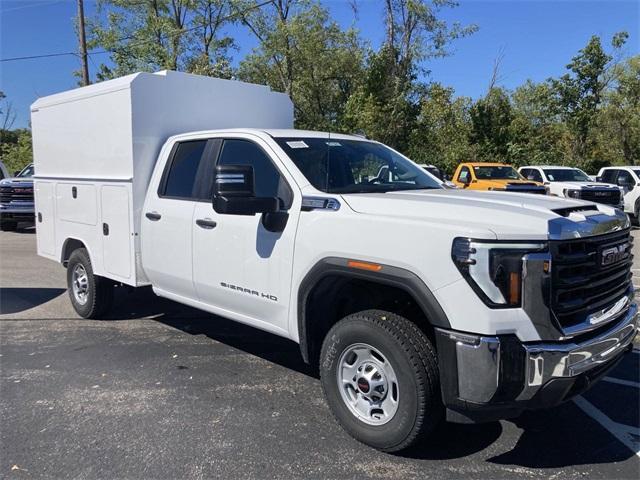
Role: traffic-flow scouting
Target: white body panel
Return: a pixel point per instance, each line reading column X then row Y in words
column 558, row 188
column 113, row 132
column 631, row 195
column 237, row 268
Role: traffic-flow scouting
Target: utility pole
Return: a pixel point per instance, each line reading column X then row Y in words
column 83, row 44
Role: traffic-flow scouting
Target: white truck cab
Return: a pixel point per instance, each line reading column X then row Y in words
column 414, row 301
column 628, row 179
column 571, row 182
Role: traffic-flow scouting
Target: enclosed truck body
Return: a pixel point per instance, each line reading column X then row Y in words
column 414, row 301
column 95, row 149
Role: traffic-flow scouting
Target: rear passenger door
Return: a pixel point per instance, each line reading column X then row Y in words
column 166, row 221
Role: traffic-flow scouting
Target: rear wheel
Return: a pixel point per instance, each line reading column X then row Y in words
column 380, row 376
column 8, row 226
column 91, row 295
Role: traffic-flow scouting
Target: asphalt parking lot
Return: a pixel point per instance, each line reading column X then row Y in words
column 164, row 391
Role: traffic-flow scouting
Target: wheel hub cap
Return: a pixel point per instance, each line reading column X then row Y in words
column 368, row 384
column 80, row 284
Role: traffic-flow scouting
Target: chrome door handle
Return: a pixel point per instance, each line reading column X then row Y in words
column 206, row 223
column 155, row 216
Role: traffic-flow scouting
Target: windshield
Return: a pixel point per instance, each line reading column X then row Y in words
column 566, row 175
column 26, row 172
column 496, row 172
column 354, row 166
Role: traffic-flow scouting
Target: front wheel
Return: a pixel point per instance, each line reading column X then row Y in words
column 379, row 373
column 91, row 295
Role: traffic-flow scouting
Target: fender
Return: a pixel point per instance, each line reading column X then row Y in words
column 387, row 275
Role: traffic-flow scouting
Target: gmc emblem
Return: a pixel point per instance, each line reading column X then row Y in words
column 601, row 194
column 611, row 255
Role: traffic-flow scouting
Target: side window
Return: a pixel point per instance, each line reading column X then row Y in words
column 534, row 175
column 180, row 173
column 609, row 176
column 624, row 178
column 464, row 176
column 267, row 178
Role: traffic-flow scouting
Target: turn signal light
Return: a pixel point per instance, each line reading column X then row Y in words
column 371, row 267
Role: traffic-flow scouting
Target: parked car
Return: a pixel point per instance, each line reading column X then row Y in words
column 4, row 173
column 570, row 182
column 494, row 176
column 439, row 174
column 16, row 199
column 628, row 179
column 415, row 302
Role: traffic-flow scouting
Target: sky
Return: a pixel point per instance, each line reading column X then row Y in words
column 536, row 38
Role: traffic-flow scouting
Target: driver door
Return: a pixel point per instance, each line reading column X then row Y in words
column 240, row 269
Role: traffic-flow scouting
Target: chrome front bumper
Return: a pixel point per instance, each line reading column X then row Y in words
column 504, row 376
column 547, row 361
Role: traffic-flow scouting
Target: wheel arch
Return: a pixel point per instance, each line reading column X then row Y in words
column 333, row 273
column 69, row 246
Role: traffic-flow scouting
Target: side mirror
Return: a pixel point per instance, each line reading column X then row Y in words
column 16, row 173
column 599, row 179
column 234, row 192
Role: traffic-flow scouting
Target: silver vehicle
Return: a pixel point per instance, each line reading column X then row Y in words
column 16, row 199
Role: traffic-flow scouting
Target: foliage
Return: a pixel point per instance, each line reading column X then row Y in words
column 15, row 149
column 151, row 35
column 305, row 54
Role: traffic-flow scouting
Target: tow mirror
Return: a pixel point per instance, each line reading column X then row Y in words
column 234, row 192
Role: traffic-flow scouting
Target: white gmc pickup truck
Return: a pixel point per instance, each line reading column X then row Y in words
column 416, row 302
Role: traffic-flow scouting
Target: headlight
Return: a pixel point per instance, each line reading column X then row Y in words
column 493, row 269
column 572, row 193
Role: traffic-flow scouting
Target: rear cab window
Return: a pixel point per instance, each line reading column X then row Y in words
column 180, row 175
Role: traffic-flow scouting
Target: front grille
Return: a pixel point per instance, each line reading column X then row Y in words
column 580, row 284
column 16, row 194
column 609, row 197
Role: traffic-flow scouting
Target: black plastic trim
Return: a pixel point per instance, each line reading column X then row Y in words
column 388, row 275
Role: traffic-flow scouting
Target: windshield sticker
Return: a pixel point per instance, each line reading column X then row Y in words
column 298, row 144
column 334, row 144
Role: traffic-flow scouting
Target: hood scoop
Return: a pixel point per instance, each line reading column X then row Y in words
column 565, row 212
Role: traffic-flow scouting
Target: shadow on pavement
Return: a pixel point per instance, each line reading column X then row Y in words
column 14, row 300
column 562, row 437
column 142, row 303
column 555, row 438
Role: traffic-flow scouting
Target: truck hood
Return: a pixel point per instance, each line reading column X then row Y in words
column 580, row 185
column 474, row 213
column 16, row 182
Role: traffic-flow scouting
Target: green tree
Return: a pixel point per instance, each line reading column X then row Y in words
column 386, row 106
column 305, row 54
column 618, row 122
column 151, row 35
column 491, row 119
column 580, row 93
column 16, row 151
column 443, row 127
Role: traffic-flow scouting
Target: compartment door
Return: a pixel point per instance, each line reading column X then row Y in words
column 116, row 230
column 45, row 221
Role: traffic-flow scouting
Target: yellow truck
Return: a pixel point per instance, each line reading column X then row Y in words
column 494, row 176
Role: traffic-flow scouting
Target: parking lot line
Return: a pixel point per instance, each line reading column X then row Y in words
column 628, row 436
column 628, row 383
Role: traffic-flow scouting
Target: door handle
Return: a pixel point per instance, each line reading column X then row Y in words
column 155, row 216
column 206, row 223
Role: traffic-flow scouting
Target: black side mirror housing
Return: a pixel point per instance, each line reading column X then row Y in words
column 598, row 179
column 234, row 192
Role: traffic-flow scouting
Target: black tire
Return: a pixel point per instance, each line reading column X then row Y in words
column 99, row 291
column 8, row 226
column 414, row 361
